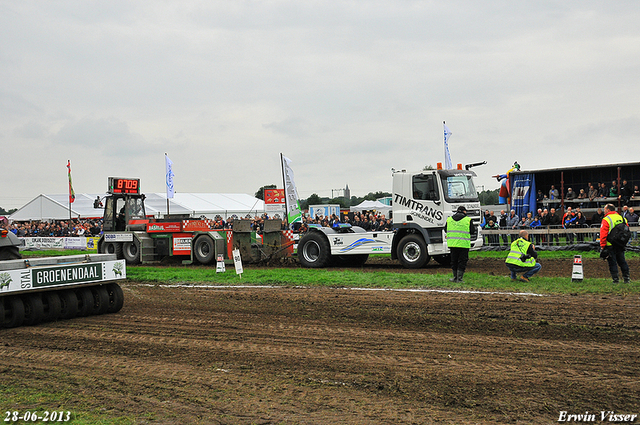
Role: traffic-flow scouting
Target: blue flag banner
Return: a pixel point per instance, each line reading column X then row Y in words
column 447, row 156
column 169, row 176
column 523, row 194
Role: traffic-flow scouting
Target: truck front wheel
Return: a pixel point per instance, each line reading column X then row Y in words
column 314, row 250
column 412, row 252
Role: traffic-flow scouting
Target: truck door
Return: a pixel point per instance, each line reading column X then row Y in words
column 428, row 204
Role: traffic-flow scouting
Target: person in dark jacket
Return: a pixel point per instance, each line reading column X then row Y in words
column 459, row 228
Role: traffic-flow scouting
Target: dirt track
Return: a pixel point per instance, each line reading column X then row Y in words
column 185, row 355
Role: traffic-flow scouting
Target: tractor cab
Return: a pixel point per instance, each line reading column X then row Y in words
column 124, row 206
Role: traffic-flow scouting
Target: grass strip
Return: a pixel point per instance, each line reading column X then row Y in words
column 379, row 279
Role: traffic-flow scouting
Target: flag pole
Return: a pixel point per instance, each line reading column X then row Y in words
column 445, row 144
column 165, row 181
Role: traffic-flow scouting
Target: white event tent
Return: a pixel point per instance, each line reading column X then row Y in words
column 56, row 207
column 372, row 206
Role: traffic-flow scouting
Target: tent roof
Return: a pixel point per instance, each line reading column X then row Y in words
column 56, row 207
column 370, row 205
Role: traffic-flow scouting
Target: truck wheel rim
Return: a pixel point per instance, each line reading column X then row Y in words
column 311, row 251
column 411, row 252
column 133, row 250
column 204, row 250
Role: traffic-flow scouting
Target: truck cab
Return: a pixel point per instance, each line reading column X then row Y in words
column 124, row 212
column 422, row 202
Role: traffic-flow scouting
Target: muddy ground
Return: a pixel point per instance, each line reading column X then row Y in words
column 329, row 356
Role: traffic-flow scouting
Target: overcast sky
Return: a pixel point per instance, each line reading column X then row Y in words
column 346, row 90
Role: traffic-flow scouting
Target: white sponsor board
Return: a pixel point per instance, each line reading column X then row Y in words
column 118, row 237
column 79, row 243
column 43, row 243
column 61, row 275
column 237, row 260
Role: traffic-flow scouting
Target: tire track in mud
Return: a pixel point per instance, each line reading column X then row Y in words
column 419, row 349
column 312, row 354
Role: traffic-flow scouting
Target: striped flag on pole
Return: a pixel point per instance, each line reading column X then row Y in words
column 72, row 194
column 447, row 156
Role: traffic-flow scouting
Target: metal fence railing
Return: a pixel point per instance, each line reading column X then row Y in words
column 550, row 235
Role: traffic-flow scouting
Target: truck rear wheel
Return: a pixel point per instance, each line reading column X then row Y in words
column 33, row 309
column 52, row 306
column 314, row 250
column 131, row 252
column 13, row 312
column 116, row 297
column 68, row 304
column 412, row 252
column 100, row 299
column 204, row 249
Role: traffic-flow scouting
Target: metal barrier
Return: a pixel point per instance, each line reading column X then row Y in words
column 549, row 235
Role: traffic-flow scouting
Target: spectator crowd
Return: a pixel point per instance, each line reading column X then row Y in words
column 548, row 213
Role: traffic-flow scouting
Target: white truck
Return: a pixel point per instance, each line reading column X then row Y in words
column 47, row 289
column 422, row 201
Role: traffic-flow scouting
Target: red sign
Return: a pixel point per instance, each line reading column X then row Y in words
column 196, row 225
column 182, row 243
column 274, row 196
column 164, row 227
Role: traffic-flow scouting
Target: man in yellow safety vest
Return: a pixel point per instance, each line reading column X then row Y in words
column 459, row 229
column 522, row 258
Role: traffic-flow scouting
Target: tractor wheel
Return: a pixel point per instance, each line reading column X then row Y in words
column 13, row 312
column 116, row 297
column 113, row 248
column 100, row 299
column 131, row 252
column 412, row 252
column 10, row 253
column 314, row 250
column 52, row 306
column 68, row 304
column 204, row 249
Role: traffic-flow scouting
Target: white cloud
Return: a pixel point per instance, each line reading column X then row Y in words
column 347, row 90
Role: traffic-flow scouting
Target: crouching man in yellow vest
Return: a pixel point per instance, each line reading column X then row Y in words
column 459, row 230
column 522, row 258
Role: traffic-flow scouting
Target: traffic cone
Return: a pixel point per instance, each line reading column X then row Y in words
column 577, row 275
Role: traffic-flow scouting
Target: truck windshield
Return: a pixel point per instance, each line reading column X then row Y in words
column 135, row 207
column 459, row 188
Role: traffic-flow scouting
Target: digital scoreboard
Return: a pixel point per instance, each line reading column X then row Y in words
column 122, row 185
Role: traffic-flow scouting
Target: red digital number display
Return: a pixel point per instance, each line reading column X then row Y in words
column 125, row 186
